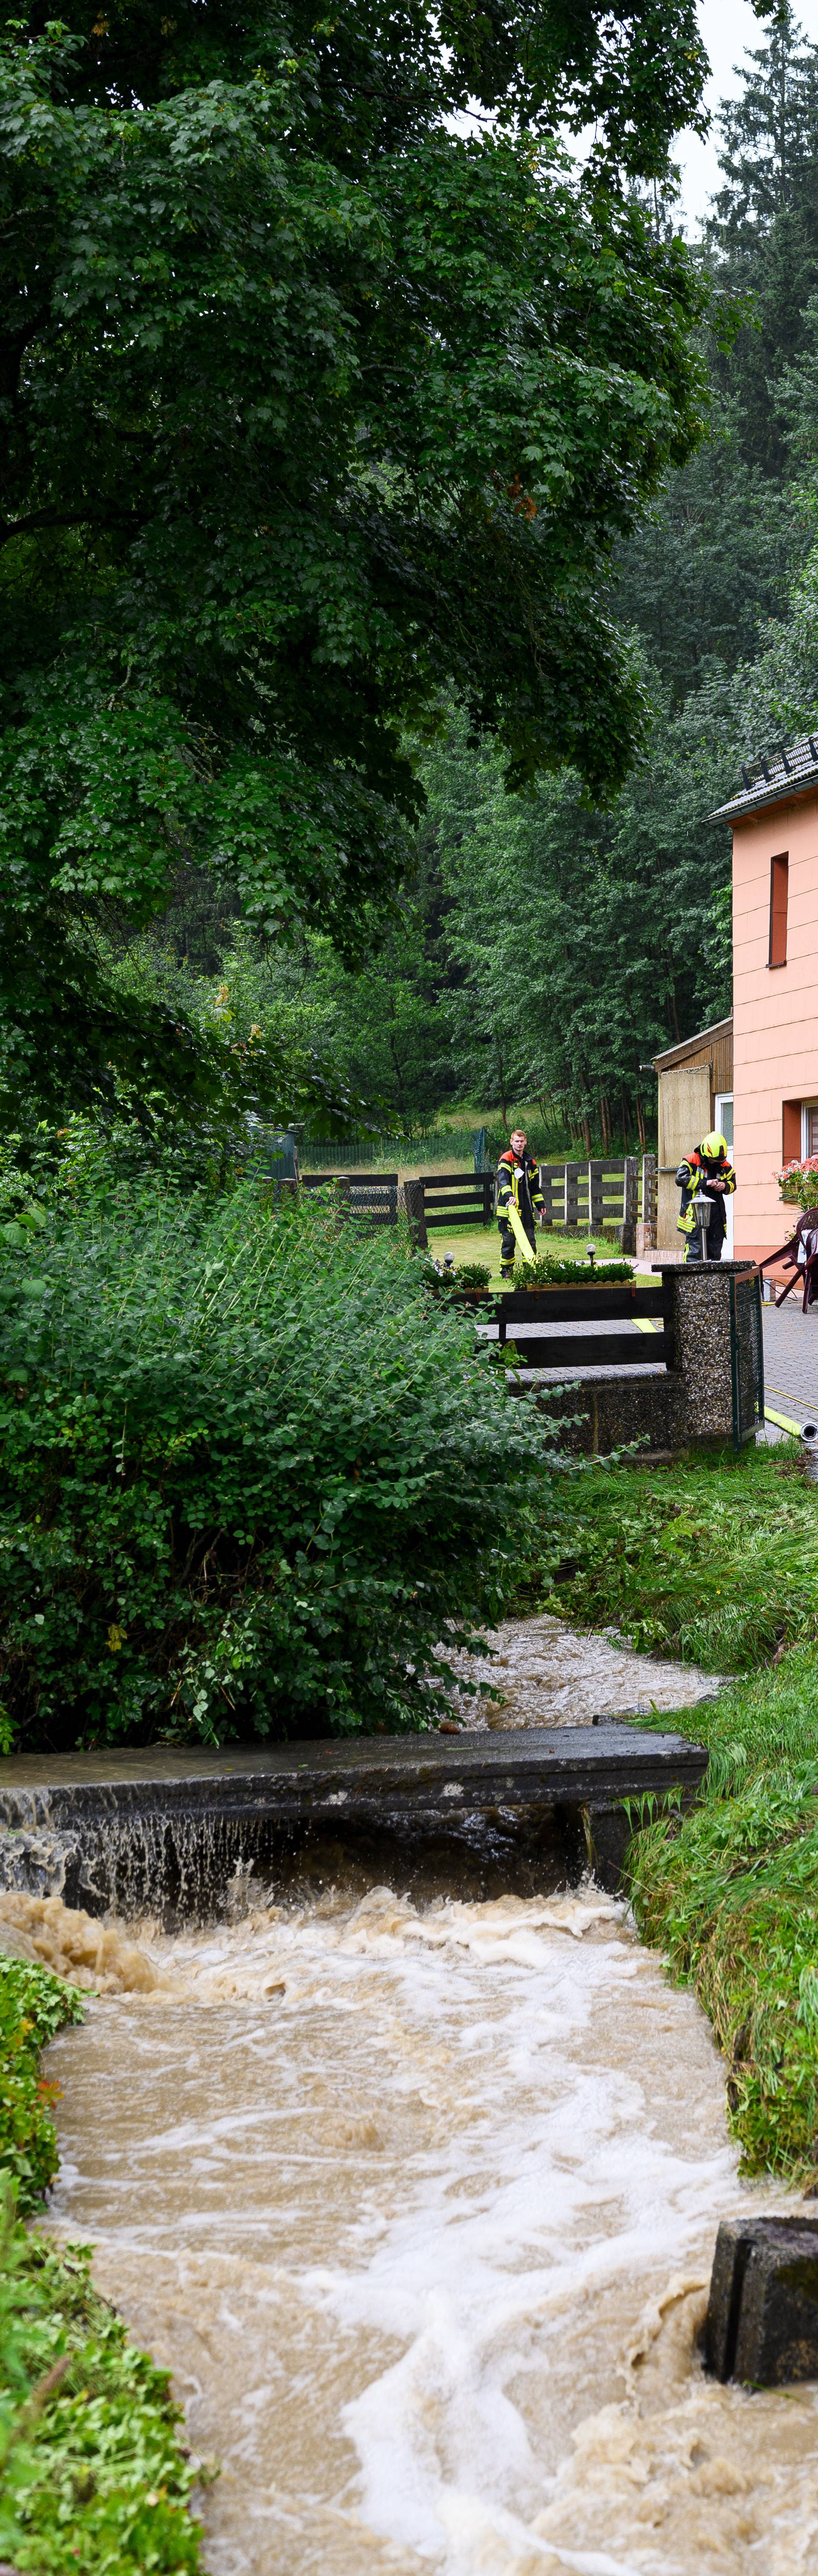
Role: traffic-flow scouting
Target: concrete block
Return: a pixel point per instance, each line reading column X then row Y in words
column 762, row 2316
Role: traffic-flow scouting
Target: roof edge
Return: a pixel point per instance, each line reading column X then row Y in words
column 751, row 803
column 715, row 1029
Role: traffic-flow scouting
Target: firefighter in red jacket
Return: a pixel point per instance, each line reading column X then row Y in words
column 708, row 1168
column 519, row 1196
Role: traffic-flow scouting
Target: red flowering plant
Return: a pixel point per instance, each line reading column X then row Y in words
column 799, row 1181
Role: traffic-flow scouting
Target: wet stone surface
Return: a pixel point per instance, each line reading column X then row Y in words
column 762, row 2317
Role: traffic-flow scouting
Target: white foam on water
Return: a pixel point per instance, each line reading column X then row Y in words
column 419, row 2205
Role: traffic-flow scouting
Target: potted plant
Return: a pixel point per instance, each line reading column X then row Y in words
column 798, row 1182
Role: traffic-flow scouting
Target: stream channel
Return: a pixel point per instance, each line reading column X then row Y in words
column 417, row 2198
column 415, row 2190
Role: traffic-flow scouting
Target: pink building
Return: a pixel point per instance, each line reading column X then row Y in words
column 775, row 986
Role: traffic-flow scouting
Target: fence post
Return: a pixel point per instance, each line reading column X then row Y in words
column 571, row 1198
column 630, row 1207
column 646, row 1229
column 415, row 1202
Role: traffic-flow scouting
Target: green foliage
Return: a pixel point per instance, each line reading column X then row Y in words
column 713, row 1562
column 93, row 2474
column 716, row 1561
column 250, row 1471
column 313, row 411
column 763, row 230
column 548, row 1269
column 33, row 2005
column 731, row 1894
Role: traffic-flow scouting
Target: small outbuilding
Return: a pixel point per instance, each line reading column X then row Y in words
column 695, row 1095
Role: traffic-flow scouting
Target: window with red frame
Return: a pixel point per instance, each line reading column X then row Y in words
column 779, row 888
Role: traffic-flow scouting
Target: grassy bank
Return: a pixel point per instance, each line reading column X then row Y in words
column 714, row 1560
column 717, row 1562
column 93, row 2477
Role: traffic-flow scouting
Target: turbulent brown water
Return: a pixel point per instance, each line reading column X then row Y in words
column 419, row 2204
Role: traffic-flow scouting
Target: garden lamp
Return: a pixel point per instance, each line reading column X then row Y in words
column 702, row 1209
column 591, row 1251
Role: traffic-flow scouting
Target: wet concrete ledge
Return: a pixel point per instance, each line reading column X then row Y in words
column 526, row 1809
column 553, row 1766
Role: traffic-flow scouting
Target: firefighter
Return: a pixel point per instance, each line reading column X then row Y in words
column 518, row 1195
column 708, row 1168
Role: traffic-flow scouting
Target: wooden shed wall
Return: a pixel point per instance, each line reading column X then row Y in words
column 687, row 1108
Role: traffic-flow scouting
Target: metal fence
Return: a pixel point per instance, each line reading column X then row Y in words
column 746, row 1356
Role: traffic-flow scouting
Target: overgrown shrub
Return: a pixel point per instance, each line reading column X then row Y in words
column 92, row 2474
column 33, row 2005
column 250, row 1471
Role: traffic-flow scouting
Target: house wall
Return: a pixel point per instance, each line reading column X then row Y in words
column 775, row 1022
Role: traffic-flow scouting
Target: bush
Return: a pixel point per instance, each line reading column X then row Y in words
column 549, row 1271
column 250, row 1472
column 33, row 2005
column 92, row 2476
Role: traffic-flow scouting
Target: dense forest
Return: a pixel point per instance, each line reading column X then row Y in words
column 545, row 945
column 405, row 629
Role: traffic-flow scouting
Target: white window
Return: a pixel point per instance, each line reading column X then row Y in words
column 724, row 1124
column 809, row 1127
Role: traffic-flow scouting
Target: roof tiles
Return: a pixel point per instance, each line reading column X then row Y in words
column 791, row 767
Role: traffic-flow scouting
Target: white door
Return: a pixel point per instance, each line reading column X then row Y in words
column 724, row 1124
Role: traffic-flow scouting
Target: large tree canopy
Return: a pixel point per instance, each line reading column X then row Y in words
column 312, row 411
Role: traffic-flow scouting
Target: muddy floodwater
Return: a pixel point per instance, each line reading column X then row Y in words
column 419, row 2204
column 544, row 1673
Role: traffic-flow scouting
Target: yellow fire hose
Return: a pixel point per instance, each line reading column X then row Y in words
column 514, row 1219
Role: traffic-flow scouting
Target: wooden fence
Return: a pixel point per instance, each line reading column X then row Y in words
column 458, row 1198
column 579, row 1197
column 649, row 1305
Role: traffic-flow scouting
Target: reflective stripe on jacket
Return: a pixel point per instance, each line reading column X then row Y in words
column 693, row 1175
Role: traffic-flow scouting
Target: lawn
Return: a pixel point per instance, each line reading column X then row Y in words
column 482, row 1243
column 716, row 1561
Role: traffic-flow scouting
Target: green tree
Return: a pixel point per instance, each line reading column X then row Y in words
column 583, row 942
column 712, row 560
column 312, row 411
column 763, row 234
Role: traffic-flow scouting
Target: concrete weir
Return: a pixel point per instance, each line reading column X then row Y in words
column 173, row 1830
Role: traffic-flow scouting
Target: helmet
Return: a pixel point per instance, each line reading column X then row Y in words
column 712, row 1146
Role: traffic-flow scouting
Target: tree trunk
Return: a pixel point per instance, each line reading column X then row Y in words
column 586, row 1130
column 640, row 1121
column 605, row 1122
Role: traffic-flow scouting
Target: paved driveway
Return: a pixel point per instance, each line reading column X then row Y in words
column 791, row 1360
